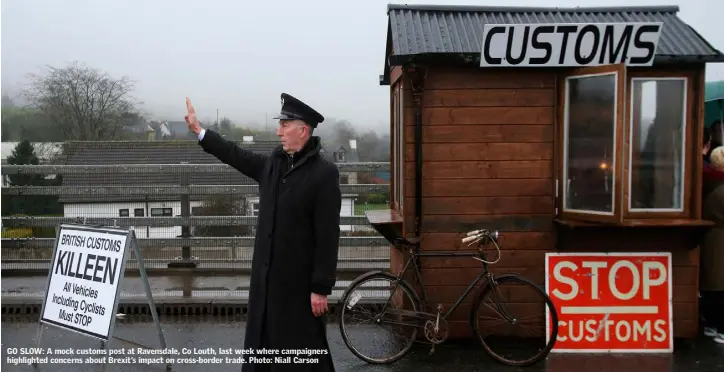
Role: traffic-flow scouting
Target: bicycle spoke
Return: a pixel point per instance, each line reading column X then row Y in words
column 511, row 323
column 372, row 334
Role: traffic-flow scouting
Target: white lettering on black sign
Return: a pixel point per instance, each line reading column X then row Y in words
column 570, row 44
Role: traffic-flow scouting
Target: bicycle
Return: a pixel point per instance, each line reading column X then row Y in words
column 435, row 324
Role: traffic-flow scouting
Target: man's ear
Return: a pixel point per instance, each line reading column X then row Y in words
column 303, row 126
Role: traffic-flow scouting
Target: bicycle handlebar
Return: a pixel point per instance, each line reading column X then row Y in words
column 474, row 232
column 483, row 237
column 470, row 238
column 477, row 234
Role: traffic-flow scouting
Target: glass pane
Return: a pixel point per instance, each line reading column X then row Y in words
column 590, row 144
column 401, row 149
column 657, row 140
column 395, row 160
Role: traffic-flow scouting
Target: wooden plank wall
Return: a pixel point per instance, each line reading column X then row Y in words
column 487, row 163
column 488, row 145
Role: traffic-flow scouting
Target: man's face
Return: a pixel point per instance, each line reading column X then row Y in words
column 293, row 134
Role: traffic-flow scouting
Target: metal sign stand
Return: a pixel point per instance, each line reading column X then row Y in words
column 105, row 342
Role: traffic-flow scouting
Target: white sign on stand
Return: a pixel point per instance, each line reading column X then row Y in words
column 84, row 282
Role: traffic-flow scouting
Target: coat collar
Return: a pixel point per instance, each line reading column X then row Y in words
column 311, row 148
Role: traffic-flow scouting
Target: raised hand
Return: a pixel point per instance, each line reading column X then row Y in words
column 191, row 120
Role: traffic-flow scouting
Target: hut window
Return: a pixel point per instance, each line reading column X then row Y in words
column 396, row 153
column 395, row 158
column 590, row 153
column 624, row 145
column 657, row 141
column 399, row 185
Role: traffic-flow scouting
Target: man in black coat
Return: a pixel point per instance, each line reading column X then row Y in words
column 297, row 239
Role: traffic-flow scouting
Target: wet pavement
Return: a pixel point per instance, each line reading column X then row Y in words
column 700, row 355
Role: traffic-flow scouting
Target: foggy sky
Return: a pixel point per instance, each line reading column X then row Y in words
column 238, row 56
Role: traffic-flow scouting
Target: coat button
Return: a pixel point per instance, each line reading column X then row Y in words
column 284, row 180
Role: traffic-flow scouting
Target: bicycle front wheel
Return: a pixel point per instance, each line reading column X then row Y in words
column 509, row 319
column 375, row 335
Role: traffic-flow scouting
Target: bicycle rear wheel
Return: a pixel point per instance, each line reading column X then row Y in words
column 505, row 305
column 387, row 336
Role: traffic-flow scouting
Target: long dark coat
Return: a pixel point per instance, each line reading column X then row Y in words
column 711, row 272
column 295, row 250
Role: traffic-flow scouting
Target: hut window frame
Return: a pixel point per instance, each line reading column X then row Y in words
column 400, row 130
column 623, row 154
column 684, row 163
column 395, row 158
column 607, row 169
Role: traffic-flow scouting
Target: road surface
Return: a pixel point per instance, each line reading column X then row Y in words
column 200, row 333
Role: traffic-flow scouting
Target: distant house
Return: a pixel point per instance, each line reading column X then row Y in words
column 158, row 130
column 382, row 178
column 159, row 152
column 178, row 129
column 343, row 154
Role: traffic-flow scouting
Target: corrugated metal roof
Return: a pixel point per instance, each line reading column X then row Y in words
column 439, row 29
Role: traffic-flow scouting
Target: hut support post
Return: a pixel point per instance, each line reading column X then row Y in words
column 416, row 77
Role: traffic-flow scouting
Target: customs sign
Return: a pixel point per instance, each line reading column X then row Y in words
column 611, row 302
column 569, row 44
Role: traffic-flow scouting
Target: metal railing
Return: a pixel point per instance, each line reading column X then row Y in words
column 184, row 234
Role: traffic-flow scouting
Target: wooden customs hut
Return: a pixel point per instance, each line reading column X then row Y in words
column 568, row 130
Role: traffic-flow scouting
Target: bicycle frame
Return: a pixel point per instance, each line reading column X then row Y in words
column 435, row 324
column 413, row 259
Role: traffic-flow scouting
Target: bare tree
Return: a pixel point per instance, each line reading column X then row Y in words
column 85, row 103
column 225, row 126
column 48, row 151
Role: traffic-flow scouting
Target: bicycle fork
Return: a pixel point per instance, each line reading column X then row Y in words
column 498, row 296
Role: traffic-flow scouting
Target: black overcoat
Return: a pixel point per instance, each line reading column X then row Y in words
column 295, row 248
